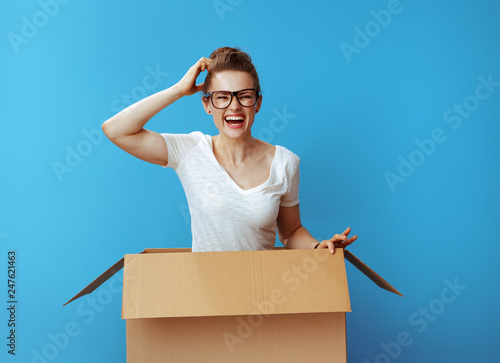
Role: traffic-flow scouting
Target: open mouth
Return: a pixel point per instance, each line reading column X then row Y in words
column 234, row 121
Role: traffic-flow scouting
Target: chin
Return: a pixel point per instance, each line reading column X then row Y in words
column 234, row 133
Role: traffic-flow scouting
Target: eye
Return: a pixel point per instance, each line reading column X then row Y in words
column 246, row 95
column 222, row 96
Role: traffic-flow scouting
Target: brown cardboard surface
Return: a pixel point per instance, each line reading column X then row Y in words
column 182, row 306
column 166, row 250
column 285, row 338
column 372, row 275
column 98, row 281
column 118, row 265
column 187, row 284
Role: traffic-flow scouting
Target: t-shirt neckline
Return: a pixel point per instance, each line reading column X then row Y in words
column 231, row 180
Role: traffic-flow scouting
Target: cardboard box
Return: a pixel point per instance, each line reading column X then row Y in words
column 244, row 306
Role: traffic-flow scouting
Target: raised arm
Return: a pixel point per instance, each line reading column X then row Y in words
column 126, row 128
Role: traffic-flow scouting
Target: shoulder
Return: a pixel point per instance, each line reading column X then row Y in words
column 281, row 155
column 195, row 135
column 192, row 138
column 288, row 156
column 286, row 162
column 179, row 146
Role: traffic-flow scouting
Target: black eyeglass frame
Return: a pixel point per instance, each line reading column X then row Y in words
column 235, row 93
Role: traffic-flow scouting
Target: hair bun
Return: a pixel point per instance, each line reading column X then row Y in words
column 224, row 51
column 231, row 59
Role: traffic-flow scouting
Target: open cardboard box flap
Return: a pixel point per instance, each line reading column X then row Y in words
column 241, row 306
column 217, row 283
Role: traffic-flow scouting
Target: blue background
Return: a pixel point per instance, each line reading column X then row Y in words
column 351, row 118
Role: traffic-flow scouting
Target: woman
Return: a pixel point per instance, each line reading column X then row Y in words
column 239, row 189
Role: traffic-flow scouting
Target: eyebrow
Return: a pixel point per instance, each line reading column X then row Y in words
column 244, row 89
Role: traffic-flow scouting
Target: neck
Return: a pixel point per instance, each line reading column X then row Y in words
column 233, row 150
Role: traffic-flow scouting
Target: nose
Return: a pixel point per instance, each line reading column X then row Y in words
column 234, row 103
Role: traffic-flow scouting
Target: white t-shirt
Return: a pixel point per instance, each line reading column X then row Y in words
column 225, row 217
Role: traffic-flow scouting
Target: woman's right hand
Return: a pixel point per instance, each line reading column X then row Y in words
column 187, row 85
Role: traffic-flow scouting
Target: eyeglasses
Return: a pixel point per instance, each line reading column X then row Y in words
column 222, row 99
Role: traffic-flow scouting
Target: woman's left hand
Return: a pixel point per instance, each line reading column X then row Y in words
column 338, row 241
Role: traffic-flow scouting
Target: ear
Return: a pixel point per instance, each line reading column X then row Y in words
column 206, row 106
column 259, row 103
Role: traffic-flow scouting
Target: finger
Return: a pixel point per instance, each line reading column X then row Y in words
column 205, row 63
column 199, row 87
column 346, row 242
column 330, row 245
column 338, row 238
column 209, row 63
column 347, row 231
column 202, row 59
column 200, row 64
column 323, row 244
column 195, row 70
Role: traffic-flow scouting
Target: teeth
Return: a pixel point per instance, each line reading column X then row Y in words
column 234, row 118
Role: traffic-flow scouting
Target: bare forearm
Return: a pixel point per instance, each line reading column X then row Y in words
column 301, row 238
column 133, row 118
